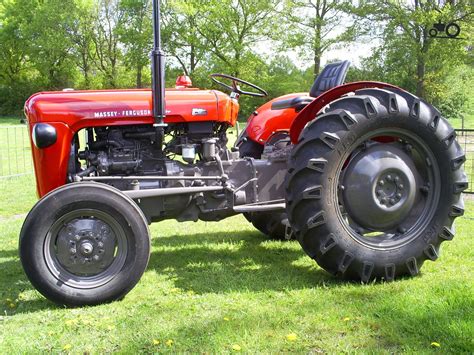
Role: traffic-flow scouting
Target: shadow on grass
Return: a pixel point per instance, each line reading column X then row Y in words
column 219, row 263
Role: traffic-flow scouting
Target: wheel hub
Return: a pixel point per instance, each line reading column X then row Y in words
column 85, row 246
column 380, row 187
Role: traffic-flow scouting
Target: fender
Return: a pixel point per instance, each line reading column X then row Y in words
column 310, row 112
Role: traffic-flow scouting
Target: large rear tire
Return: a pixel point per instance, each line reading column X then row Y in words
column 84, row 244
column 375, row 185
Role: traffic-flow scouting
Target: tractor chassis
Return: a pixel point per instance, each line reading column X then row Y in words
column 208, row 191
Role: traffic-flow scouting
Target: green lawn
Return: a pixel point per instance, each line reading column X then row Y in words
column 221, row 287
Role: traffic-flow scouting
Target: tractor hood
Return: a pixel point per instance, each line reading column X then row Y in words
column 79, row 109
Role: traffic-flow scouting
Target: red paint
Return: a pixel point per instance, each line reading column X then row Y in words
column 183, row 81
column 309, row 113
column 72, row 111
column 261, row 127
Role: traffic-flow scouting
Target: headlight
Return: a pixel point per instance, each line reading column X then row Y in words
column 44, row 135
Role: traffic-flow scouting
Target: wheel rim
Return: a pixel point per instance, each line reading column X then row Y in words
column 388, row 188
column 85, row 248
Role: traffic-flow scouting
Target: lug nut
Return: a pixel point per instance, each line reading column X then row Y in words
column 100, row 244
column 401, row 187
column 96, row 257
column 77, row 237
column 381, row 182
column 383, row 201
column 389, row 178
column 402, row 230
column 72, row 251
column 397, row 179
column 379, row 192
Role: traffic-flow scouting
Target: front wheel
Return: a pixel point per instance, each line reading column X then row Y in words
column 85, row 244
column 375, row 185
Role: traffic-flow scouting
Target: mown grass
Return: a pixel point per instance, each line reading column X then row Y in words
column 221, row 287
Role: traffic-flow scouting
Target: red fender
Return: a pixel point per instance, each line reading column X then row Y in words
column 309, row 112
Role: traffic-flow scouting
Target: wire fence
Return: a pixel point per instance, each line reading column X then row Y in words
column 15, row 152
column 465, row 138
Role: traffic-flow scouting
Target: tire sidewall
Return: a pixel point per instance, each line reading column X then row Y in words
column 64, row 200
column 414, row 247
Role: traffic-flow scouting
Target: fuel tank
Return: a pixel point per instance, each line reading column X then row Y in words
column 80, row 109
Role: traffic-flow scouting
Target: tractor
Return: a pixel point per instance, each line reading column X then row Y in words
column 367, row 177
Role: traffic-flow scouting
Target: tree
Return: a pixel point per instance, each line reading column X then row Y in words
column 403, row 28
column 46, row 25
column 311, row 27
column 181, row 38
column 109, row 17
column 233, row 28
column 82, row 36
column 136, row 33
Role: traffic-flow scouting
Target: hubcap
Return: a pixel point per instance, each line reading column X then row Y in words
column 380, row 187
column 85, row 248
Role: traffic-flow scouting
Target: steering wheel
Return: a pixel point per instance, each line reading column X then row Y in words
column 235, row 88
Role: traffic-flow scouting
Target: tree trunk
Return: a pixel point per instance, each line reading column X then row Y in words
column 317, row 49
column 420, row 76
column 317, row 64
column 139, row 77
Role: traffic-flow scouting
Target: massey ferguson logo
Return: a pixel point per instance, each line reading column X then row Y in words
column 124, row 113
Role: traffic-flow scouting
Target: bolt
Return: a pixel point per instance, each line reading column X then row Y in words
column 389, row 178
column 399, row 195
column 392, row 201
column 100, row 244
column 381, row 182
column 77, row 237
column 401, row 187
column 383, row 201
column 72, row 251
column 425, row 189
column 397, row 179
column 87, row 248
column 96, row 257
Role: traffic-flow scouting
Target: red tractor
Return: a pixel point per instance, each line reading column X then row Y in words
column 366, row 176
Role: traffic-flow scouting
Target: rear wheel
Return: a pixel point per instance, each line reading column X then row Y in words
column 375, row 184
column 84, row 244
column 272, row 224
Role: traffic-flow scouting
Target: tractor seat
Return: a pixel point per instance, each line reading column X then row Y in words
column 331, row 76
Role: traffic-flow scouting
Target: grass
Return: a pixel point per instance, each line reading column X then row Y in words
column 10, row 120
column 225, row 287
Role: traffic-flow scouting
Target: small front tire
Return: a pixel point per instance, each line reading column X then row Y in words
column 85, row 244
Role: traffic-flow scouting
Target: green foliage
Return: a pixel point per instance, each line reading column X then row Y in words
column 430, row 67
column 106, row 44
